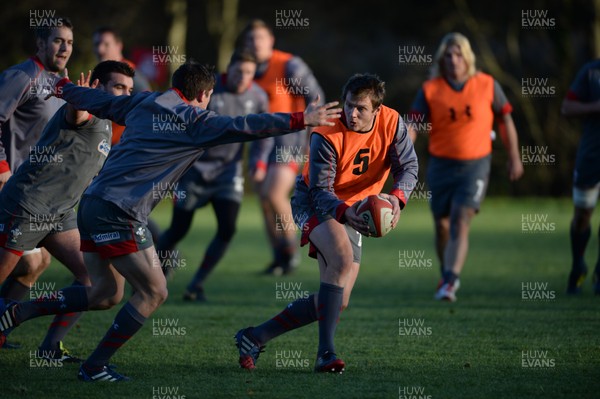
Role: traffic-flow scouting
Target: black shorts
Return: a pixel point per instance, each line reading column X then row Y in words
column 108, row 230
column 196, row 193
column 457, row 182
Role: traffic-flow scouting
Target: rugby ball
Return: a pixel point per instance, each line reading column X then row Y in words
column 377, row 212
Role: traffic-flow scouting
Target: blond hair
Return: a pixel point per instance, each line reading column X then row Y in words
column 451, row 39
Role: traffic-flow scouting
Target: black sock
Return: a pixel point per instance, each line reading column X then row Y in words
column 68, row 300
column 127, row 322
column 59, row 327
column 213, row 255
column 450, row 277
column 579, row 241
column 297, row 314
column 13, row 289
column 328, row 312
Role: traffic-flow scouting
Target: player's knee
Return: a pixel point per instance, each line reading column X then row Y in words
column 113, row 301
column 582, row 219
column 157, row 296
column 163, row 294
column 226, row 233
column 103, row 302
column 442, row 226
column 33, row 265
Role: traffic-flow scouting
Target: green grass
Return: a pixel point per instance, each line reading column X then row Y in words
column 474, row 349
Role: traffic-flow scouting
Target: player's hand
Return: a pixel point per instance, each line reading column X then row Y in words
column 515, row 168
column 259, row 175
column 355, row 221
column 321, row 115
column 395, row 207
column 84, row 80
column 4, row 178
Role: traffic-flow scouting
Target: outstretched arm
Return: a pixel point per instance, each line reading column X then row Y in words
column 99, row 103
column 210, row 129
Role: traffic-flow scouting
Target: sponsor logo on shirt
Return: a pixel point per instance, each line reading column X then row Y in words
column 115, row 235
column 104, row 147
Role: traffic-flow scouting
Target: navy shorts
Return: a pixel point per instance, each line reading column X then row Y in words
column 457, row 182
column 108, row 230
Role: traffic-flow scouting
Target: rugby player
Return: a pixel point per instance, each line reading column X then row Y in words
column 461, row 105
column 108, row 46
column 347, row 163
column 37, row 204
column 582, row 100
column 216, row 176
column 23, row 116
column 113, row 211
column 290, row 85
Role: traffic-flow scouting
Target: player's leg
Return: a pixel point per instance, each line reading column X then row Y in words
column 180, row 225
column 150, row 288
column 280, row 181
column 226, row 212
column 442, row 188
column 469, row 187
column 8, row 261
column 458, row 243
column 337, row 270
column 251, row 340
column 584, row 200
column 442, row 235
column 64, row 246
column 27, row 271
column 269, row 220
column 184, row 207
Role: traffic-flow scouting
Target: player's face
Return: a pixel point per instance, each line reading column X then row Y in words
column 359, row 112
column 260, row 42
column 56, row 50
column 455, row 64
column 240, row 76
column 119, row 85
column 107, row 47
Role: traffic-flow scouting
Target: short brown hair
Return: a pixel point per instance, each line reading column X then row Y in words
column 365, row 84
column 252, row 25
column 241, row 55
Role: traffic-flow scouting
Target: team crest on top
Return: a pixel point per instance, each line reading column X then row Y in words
column 104, row 147
column 248, row 106
column 141, row 232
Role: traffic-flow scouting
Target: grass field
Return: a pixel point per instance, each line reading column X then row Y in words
column 396, row 340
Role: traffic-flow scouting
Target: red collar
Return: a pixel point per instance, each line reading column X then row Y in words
column 180, row 94
column 36, row 59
